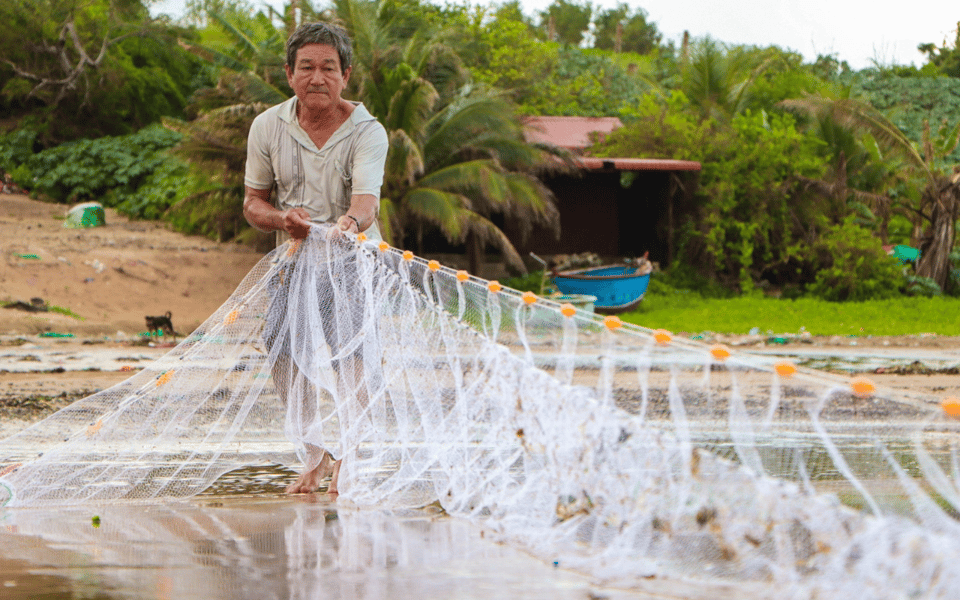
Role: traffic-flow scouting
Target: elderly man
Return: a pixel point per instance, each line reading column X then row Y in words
column 325, row 155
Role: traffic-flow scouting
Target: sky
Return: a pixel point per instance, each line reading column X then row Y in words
column 860, row 32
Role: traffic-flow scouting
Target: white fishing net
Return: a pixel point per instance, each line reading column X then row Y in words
column 606, row 448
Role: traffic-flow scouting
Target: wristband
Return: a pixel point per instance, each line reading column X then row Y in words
column 354, row 220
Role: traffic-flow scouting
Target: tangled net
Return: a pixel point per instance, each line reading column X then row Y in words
column 602, row 447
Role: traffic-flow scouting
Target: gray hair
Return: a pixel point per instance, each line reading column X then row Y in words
column 320, row 33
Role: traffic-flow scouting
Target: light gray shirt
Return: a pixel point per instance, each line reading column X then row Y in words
column 319, row 180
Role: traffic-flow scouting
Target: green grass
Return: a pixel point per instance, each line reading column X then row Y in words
column 64, row 311
column 681, row 310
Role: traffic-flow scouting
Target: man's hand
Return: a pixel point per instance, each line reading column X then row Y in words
column 296, row 222
column 348, row 223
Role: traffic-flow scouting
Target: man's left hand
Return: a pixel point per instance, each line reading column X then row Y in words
column 347, row 223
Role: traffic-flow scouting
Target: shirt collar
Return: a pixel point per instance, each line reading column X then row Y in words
column 288, row 114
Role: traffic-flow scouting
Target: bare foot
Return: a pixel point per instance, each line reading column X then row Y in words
column 309, row 481
column 332, row 488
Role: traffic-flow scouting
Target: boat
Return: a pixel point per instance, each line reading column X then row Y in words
column 617, row 288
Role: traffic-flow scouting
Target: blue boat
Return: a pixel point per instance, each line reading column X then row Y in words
column 618, row 288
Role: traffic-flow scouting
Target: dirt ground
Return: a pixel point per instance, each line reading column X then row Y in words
column 107, row 279
column 111, row 277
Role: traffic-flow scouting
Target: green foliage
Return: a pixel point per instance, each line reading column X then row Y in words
column 569, row 20
column 583, row 84
column 535, row 281
column 87, row 69
column 921, row 286
column 215, row 214
column 953, row 281
column 751, row 209
column 637, row 35
column 853, row 266
column 909, row 101
column 543, row 78
column 171, row 182
column 16, row 148
column 945, row 58
column 88, row 169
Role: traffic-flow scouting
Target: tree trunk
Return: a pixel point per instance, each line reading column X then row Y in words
column 474, row 255
column 935, row 251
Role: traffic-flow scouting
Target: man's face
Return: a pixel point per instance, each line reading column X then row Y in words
column 316, row 78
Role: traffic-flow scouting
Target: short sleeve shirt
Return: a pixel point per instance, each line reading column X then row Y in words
column 319, row 180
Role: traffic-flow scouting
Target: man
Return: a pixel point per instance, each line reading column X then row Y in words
column 326, row 157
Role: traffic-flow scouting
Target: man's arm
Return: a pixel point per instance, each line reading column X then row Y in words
column 361, row 215
column 264, row 216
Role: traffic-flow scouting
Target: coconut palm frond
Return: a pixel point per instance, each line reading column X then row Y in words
column 241, row 40
column 404, row 161
column 256, row 90
column 214, row 56
column 856, row 114
column 488, row 233
column 448, row 211
column 533, row 203
column 411, row 106
column 389, row 217
column 479, row 179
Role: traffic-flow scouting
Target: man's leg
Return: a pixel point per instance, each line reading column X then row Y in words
column 309, row 480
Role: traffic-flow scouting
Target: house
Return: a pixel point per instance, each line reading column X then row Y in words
column 614, row 207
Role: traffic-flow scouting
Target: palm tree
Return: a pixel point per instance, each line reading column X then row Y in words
column 456, row 157
column 464, row 163
column 457, row 154
column 718, row 79
column 940, row 197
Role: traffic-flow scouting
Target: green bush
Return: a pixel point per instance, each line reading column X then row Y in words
column 853, row 266
column 172, row 181
column 16, row 148
column 531, row 282
column 921, row 286
column 215, row 212
column 89, row 169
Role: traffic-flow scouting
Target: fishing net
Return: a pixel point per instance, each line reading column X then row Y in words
column 606, row 448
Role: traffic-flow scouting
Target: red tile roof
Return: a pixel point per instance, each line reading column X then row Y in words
column 573, row 134
column 570, row 133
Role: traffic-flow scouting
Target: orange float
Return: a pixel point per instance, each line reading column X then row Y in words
column 720, row 352
column 167, row 376
column 951, row 406
column 662, row 337
column 785, row 369
column 862, row 387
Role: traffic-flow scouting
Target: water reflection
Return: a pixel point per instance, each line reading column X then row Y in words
column 232, row 547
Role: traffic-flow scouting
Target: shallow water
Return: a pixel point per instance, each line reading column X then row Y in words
column 264, row 547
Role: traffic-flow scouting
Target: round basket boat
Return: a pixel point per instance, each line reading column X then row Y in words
column 618, row 288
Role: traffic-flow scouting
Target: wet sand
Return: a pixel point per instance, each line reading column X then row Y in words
column 267, row 547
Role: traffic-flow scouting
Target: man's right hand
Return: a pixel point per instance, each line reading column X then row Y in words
column 296, row 222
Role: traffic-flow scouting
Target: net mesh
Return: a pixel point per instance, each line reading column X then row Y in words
column 607, row 448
